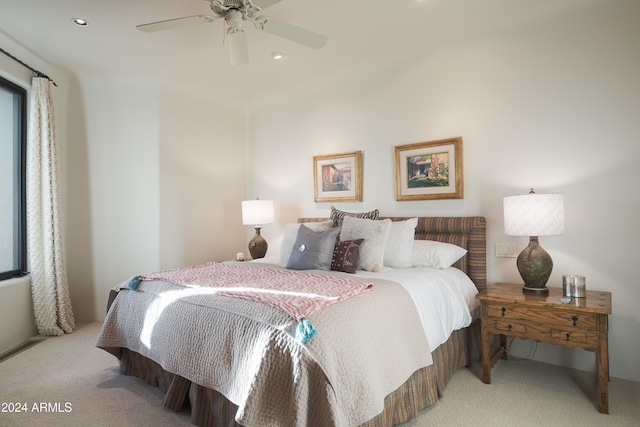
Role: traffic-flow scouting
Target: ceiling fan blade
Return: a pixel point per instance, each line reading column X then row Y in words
column 238, row 47
column 263, row 4
column 290, row 32
column 174, row 23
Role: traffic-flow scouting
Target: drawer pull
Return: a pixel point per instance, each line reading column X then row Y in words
column 504, row 309
column 510, row 327
column 575, row 320
column 568, row 337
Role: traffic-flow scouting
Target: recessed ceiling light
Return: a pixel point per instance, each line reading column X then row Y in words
column 276, row 55
column 80, row 22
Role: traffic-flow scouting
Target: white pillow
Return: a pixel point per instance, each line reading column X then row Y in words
column 374, row 233
column 291, row 233
column 429, row 253
column 399, row 248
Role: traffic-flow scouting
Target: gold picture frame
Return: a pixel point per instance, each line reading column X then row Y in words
column 338, row 177
column 430, row 170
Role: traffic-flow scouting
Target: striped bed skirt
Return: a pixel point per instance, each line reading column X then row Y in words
column 210, row 408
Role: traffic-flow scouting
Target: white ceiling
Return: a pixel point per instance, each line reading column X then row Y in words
column 362, row 35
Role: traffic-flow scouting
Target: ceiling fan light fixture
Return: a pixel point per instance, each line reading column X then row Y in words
column 234, row 19
column 237, row 45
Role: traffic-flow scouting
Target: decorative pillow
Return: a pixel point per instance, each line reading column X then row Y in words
column 337, row 215
column 399, row 248
column 291, row 233
column 429, row 253
column 374, row 233
column 345, row 255
column 313, row 249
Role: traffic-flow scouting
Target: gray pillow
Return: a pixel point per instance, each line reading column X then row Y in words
column 313, row 249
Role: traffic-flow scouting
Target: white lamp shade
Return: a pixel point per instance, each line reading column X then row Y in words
column 257, row 212
column 534, row 215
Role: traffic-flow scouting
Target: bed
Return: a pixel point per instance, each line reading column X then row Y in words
column 235, row 361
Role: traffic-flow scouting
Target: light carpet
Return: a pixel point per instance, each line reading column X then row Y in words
column 67, row 381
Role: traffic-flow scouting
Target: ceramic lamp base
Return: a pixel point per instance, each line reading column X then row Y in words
column 534, row 265
column 538, row 291
column 258, row 246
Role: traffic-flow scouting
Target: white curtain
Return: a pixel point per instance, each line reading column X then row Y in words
column 51, row 302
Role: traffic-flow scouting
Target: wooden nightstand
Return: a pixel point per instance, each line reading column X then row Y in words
column 506, row 310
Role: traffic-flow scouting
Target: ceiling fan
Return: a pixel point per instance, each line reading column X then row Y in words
column 234, row 12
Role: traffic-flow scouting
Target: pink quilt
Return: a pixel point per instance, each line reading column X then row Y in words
column 298, row 293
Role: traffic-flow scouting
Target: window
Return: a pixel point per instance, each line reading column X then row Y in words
column 13, row 153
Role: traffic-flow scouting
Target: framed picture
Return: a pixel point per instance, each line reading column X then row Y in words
column 338, row 177
column 429, row 170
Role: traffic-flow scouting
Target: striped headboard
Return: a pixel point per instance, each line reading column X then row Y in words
column 469, row 232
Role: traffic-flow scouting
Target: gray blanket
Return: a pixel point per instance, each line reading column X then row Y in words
column 365, row 347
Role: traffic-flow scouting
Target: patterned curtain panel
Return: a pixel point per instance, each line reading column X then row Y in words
column 51, row 302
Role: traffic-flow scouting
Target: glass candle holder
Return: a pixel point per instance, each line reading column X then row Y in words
column 574, row 286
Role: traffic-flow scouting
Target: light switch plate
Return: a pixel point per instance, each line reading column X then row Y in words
column 506, row 250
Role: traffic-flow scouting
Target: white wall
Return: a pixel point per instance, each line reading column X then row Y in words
column 203, row 181
column 551, row 105
column 16, row 313
column 145, row 191
column 121, row 143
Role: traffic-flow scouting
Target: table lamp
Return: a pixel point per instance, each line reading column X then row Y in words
column 534, row 215
column 257, row 212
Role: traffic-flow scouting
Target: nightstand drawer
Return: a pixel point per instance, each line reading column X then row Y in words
column 558, row 318
column 581, row 337
column 506, row 327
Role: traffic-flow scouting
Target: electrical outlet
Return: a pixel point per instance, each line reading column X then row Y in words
column 506, row 250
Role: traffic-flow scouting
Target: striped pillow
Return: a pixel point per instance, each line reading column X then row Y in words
column 337, row 215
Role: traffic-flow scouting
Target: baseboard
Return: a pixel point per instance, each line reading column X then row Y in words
column 20, row 348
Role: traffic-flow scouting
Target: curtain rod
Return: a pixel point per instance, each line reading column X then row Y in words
column 36, row 72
